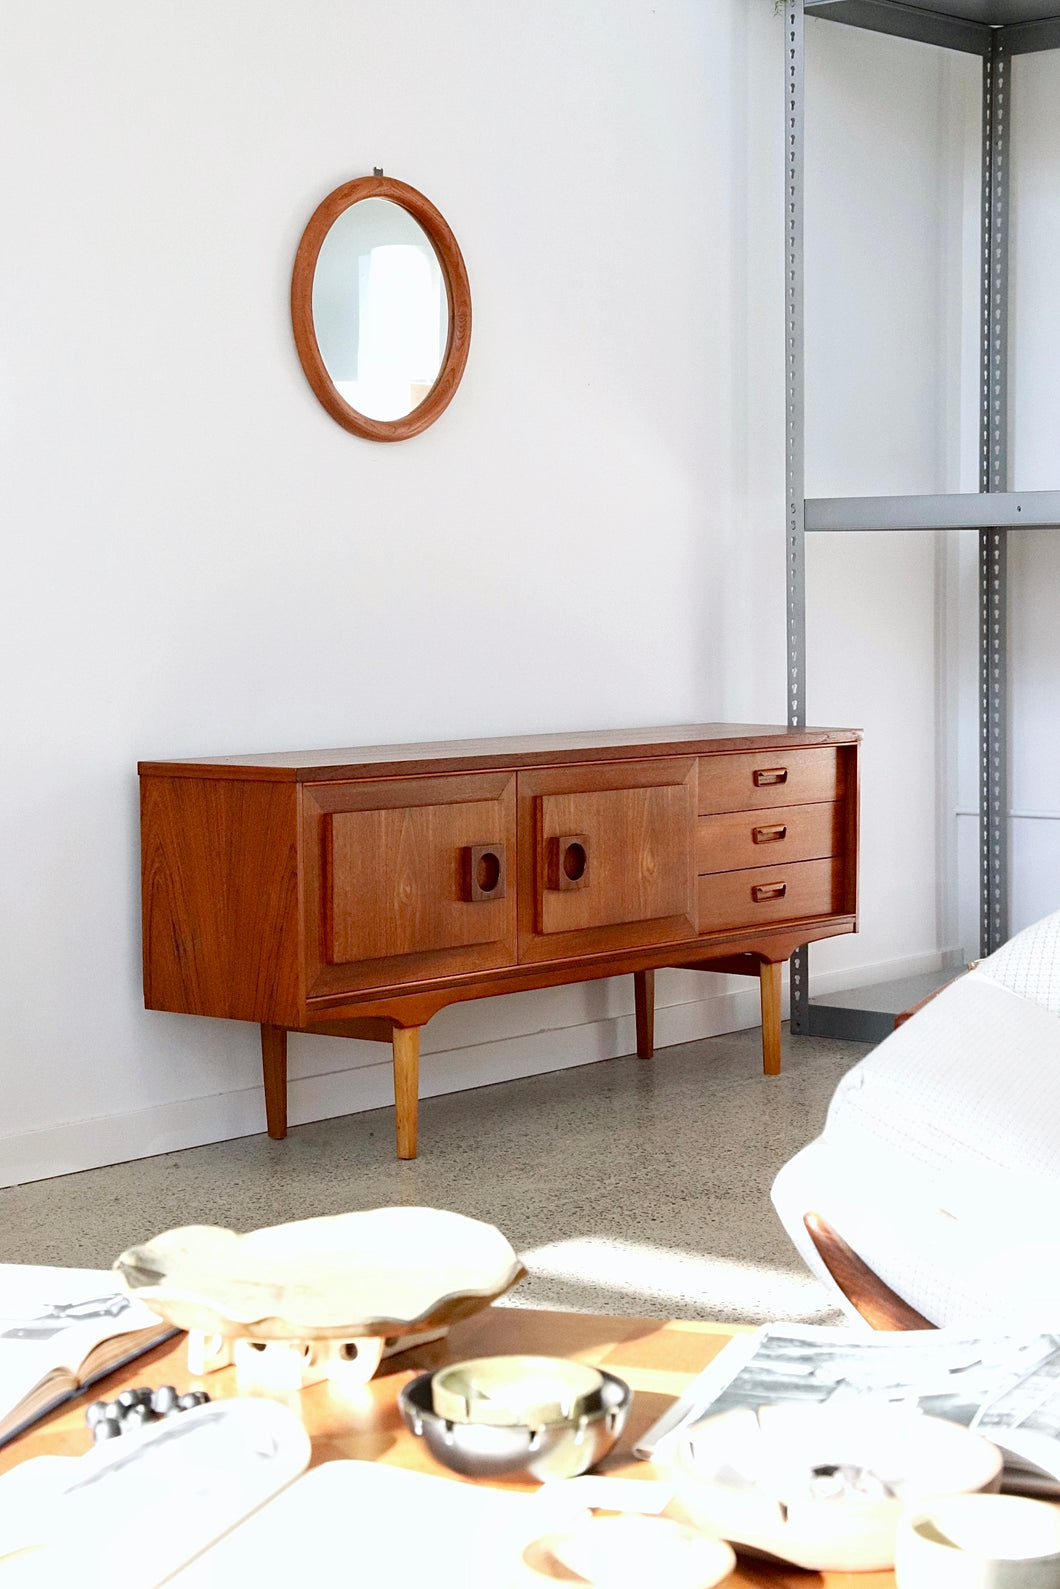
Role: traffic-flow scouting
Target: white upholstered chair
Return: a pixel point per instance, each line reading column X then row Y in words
column 938, row 1169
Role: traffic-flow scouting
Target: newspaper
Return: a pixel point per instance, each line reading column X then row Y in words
column 1006, row 1388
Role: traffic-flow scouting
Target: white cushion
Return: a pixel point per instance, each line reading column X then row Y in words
column 939, row 1162
column 974, row 1078
column 1029, row 964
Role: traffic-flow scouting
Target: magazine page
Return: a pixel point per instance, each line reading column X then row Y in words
column 1024, row 1415
column 1007, row 1388
column 52, row 1318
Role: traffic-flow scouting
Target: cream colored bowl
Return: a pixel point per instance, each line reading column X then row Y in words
column 824, row 1485
column 516, row 1389
column 979, row 1542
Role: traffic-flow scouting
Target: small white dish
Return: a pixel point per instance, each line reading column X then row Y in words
column 628, row 1553
column 823, row 1485
column 979, row 1542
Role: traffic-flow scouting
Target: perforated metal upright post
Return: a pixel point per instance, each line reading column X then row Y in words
column 993, row 476
column 795, row 540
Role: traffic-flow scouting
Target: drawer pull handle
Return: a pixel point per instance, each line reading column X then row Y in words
column 484, row 873
column 763, row 891
column 570, row 862
column 769, row 835
column 765, row 775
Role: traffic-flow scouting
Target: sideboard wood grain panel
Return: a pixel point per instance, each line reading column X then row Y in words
column 399, row 879
column 628, row 847
column 391, row 904
column 633, row 824
column 221, row 924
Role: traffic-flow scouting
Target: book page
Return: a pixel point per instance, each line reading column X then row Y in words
column 347, row 1523
column 52, row 1318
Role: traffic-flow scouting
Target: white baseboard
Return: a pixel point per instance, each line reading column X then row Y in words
column 728, row 1004
column 895, row 970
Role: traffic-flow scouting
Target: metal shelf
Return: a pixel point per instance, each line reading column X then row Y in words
column 869, row 1014
column 968, row 25
column 971, row 510
column 995, row 30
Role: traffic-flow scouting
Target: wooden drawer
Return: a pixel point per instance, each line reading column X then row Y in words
column 766, row 894
column 774, row 836
column 764, row 778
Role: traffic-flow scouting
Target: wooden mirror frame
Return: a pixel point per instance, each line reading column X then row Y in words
column 457, row 288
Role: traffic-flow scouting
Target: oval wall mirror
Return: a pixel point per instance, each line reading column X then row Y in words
column 381, row 308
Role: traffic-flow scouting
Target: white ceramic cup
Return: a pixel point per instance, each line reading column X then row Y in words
column 979, row 1542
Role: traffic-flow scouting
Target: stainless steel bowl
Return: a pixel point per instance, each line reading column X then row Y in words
column 515, row 1451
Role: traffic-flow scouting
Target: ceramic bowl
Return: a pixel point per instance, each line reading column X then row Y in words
column 517, row 1389
column 823, row 1485
column 979, row 1542
column 615, row 1552
column 383, row 1272
column 557, row 1450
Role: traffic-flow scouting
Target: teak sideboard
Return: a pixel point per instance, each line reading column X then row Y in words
column 357, row 892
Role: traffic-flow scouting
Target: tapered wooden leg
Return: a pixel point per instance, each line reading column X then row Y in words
column 274, row 1071
column 769, row 981
column 644, row 1000
column 406, row 1041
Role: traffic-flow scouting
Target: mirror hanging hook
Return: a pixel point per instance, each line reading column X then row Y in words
column 377, row 171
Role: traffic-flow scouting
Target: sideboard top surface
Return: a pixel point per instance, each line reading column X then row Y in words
column 523, row 750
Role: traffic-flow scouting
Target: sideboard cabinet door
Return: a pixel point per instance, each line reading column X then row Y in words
column 408, row 879
column 606, row 857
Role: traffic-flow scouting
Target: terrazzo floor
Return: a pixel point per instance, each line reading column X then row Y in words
column 628, row 1186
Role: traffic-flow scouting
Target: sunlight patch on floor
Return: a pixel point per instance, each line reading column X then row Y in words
column 670, row 1275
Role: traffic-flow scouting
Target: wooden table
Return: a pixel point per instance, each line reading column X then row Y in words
column 657, row 1359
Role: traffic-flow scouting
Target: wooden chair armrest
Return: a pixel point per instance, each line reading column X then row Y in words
column 878, row 1305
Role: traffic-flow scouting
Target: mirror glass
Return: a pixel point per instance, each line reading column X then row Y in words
column 380, row 309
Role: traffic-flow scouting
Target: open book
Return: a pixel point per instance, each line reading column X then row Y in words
column 1007, row 1388
column 60, row 1329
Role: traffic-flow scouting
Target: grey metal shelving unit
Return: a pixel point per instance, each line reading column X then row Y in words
column 995, row 30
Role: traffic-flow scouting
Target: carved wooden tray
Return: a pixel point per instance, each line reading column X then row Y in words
column 384, row 1271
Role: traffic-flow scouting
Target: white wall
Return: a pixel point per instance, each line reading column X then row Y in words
column 198, row 560
column 891, row 392
column 893, row 197
column 1034, row 558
